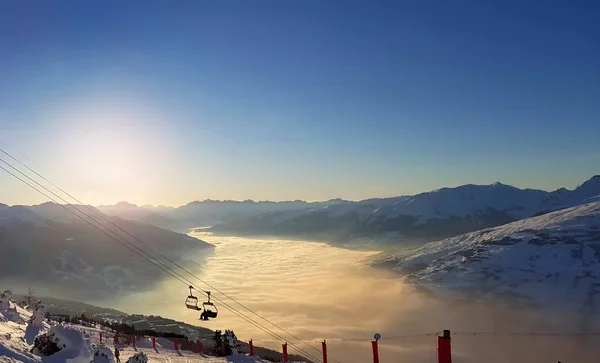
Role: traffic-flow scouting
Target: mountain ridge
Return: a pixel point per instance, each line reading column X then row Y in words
column 57, row 250
column 208, row 200
column 426, row 216
column 553, row 258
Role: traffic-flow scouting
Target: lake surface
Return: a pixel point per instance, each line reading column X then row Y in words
column 320, row 292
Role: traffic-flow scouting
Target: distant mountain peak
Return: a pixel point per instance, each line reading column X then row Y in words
column 126, row 204
column 594, row 179
column 48, row 203
column 591, row 185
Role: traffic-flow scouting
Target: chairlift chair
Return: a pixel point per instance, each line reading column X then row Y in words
column 191, row 301
column 209, row 309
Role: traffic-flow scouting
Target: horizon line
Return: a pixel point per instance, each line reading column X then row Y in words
column 305, row 201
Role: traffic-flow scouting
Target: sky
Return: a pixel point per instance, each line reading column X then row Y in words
column 159, row 102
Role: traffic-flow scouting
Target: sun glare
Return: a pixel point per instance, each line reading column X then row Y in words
column 110, row 151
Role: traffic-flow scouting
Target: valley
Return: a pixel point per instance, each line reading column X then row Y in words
column 533, row 270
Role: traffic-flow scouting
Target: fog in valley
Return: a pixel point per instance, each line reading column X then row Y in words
column 316, row 292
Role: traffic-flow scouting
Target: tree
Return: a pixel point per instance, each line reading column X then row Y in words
column 229, row 338
column 218, row 339
column 224, row 340
column 30, row 298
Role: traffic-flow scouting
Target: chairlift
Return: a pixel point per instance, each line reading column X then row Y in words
column 209, row 309
column 191, row 301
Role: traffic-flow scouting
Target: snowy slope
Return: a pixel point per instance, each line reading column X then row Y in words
column 17, row 336
column 550, row 259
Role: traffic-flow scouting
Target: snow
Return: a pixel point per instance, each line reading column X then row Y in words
column 103, row 354
column 78, row 348
column 75, row 348
column 138, row 358
column 549, row 259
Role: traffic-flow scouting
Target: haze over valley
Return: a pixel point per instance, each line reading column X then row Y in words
column 65, row 253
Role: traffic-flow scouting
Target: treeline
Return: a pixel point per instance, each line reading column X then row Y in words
column 121, row 328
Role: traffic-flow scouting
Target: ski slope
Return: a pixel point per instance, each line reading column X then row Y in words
column 17, row 337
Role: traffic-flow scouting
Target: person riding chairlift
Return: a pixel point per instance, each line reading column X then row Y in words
column 204, row 315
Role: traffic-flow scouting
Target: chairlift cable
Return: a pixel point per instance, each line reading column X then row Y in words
column 151, row 259
column 159, row 253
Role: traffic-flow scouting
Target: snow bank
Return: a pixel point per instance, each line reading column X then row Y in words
column 74, row 348
column 11, row 353
column 165, row 343
column 102, row 354
column 140, row 357
column 142, row 342
column 8, row 311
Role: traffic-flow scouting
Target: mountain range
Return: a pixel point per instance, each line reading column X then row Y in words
column 426, row 216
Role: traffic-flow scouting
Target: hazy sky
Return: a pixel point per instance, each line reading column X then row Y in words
column 166, row 102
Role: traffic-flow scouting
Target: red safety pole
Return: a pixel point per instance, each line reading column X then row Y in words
column 153, row 342
column 134, row 338
column 251, row 348
column 324, row 351
column 100, row 337
column 375, row 351
column 116, row 338
column 285, row 354
column 444, row 348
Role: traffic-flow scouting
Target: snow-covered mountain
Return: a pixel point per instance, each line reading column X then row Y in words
column 132, row 212
column 201, row 213
column 549, row 259
column 427, row 216
column 55, row 250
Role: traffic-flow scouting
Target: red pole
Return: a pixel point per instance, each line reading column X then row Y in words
column 285, row 354
column 444, row 348
column 100, row 337
column 116, row 338
column 324, row 352
column 251, row 348
column 133, row 338
column 375, row 351
column 153, row 342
